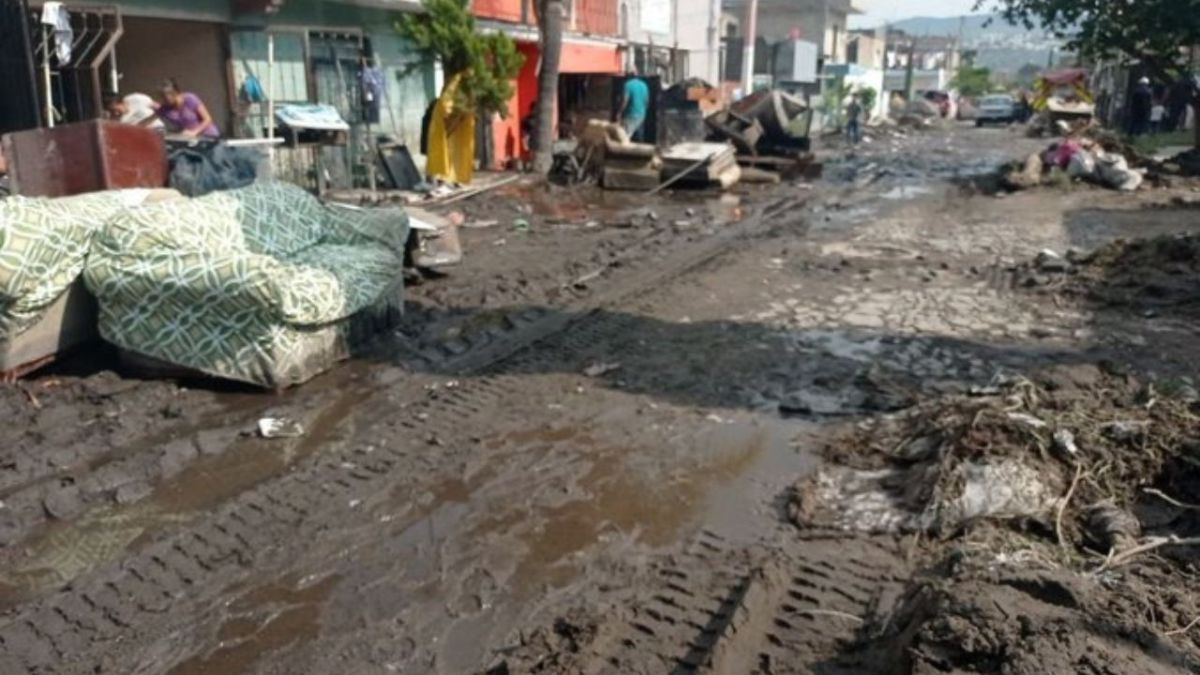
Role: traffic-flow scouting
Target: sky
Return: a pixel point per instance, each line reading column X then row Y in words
column 879, row 11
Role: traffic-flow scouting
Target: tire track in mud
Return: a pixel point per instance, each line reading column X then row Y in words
column 159, row 456
column 720, row 608
column 110, row 618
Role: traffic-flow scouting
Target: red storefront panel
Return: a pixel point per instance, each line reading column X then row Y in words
column 576, row 58
column 596, row 17
column 501, row 10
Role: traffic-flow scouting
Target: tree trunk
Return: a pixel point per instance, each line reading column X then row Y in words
column 550, row 21
column 1196, row 121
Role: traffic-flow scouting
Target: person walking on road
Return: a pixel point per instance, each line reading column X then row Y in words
column 854, row 112
column 635, row 103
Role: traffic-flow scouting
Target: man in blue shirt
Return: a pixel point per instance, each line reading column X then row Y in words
column 635, row 101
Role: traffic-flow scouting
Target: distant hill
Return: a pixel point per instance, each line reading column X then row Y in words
column 1002, row 46
column 973, row 26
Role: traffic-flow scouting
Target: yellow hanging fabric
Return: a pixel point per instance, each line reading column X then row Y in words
column 451, row 138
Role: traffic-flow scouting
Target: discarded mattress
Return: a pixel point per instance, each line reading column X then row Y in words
column 264, row 284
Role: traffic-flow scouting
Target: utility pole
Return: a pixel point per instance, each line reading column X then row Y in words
column 713, row 71
column 908, row 73
column 750, row 35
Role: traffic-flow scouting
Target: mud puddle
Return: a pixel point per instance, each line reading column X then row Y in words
column 904, row 192
column 584, row 205
column 623, row 510
column 61, row 551
column 557, row 512
column 271, row 617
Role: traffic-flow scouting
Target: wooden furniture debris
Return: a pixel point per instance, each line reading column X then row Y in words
column 624, row 165
column 701, row 164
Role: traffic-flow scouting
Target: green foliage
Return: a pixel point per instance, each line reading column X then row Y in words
column 487, row 63
column 834, row 100
column 867, row 97
column 1150, row 30
column 972, row 81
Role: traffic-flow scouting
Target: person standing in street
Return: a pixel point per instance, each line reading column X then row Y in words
column 635, row 103
column 1158, row 117
column 1140, row 106
column 854, row 113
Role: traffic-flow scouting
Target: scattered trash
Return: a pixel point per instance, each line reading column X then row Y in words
column 601, row 369
column 521, row 225
column 1027, row 420
column 1049, row 261
column 957, row 460
column 1125, row 430
column 1064, row 441
column 279, row 427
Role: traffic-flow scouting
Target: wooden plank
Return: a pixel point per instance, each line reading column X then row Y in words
column 630, row 179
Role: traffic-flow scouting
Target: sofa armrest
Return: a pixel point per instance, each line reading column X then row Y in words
column 224, row 282
column 352, row 225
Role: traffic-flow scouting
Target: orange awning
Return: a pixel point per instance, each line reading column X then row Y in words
column 581, row 57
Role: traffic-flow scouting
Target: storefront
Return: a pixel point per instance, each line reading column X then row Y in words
column 579, row 57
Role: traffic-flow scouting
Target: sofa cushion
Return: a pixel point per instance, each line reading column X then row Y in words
column 278, row 219
column 206, row 223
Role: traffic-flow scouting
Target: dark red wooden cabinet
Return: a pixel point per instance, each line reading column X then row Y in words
column 84, row 157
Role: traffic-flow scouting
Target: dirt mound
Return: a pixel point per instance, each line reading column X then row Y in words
column 1149, row 273
column 1008, row 451
column 1145, row 275
column 1033, row 622
column 1051, row 518
column 1188, row 163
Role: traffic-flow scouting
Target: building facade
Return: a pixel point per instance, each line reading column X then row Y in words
column 592, row 48
column 238, row 54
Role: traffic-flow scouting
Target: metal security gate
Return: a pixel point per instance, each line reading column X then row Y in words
column 76, row 87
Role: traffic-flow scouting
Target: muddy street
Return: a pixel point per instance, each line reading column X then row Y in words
column 611, row 443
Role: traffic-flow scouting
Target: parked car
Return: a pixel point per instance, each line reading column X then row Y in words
column 943, row 101
column 1000, row 108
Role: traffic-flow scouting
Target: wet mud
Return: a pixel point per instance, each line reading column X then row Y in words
column 580, row 454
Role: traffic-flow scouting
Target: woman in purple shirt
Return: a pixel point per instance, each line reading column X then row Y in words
column 184, row 113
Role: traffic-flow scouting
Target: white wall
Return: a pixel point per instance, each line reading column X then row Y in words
column 697, row 29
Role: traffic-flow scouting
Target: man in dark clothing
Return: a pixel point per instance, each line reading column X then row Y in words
column 854, row 113
column 1140, row 105
column 1178, row 98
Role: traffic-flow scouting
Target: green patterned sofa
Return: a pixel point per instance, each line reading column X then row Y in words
column 264, row 284
column 43, row 246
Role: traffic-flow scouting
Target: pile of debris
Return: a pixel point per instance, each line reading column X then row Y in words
column 622, row 164
column 1006, row 451
column 1059, row 485
column 1185, row 163
column 918, row 113
column 770, row 130
column 701, row 164
column 1147, row 275
column 1082, row 157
